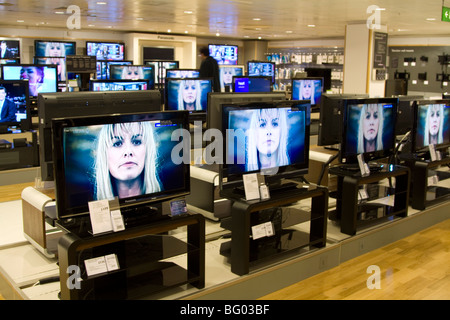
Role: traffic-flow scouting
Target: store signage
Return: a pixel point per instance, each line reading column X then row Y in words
column 445, row 14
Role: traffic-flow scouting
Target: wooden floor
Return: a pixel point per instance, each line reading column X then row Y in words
column 414, row 268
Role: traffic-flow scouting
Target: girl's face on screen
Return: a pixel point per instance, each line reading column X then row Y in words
column 370, row 122
column 268, row 134
column 55, row 49
column 189, row 91
column 126, row 155
column 307, row 89
column 434, row 117
column 131, row 73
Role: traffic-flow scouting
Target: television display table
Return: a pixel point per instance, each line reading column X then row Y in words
column 245, row 250
column 143, row 254
column 364, row 199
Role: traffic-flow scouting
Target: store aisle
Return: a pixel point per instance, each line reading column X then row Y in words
column 414, row 268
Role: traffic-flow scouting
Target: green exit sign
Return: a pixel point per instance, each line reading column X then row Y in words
column 445, row 14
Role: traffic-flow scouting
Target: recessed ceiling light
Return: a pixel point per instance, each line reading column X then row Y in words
column 311, row 25
column 431, row 19
column 380, row 9
column 20, row 20
column 259, row 38
column 289, row 31
column 91, row 25
column 256, row 19
column 217, row 34
column 59, row 12
column 101, row 2
column 188, row 12
column 169, row 30
column 186, row 31
column 139, row 19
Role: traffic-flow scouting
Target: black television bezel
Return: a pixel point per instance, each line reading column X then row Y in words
column 309, row 78
column 181, row 69
column 107, row 42
column 24, row 124
column 346, row 157
column 52, row 66
column 414, row 131
column 63, row 211
column 91, row 83
column 253, row 77
column 36, row 42
column 262, row 62
column 113, row 66
column 405, row 114
column 225, row 45
column 235, row 180
column 85, row 103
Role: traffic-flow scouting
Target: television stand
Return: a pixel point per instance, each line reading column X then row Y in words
column 275, row 188
column 136, row 216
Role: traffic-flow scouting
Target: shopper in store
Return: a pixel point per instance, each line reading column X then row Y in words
column 7, row 107
column 189, row 95
column 125, row 164
column 267, row 139
column 434, row 122
column 370, row 138
column 209, row 68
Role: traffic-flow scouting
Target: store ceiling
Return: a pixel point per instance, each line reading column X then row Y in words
column 239, row 19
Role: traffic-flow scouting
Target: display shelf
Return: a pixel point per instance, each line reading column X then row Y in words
column 360, row 200
column 244, row 251
column 141, row 252
column 430, row 181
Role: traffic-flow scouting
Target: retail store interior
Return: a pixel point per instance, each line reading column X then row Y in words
column 329, row 138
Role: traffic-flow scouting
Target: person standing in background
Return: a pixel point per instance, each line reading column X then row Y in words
column 209, row 68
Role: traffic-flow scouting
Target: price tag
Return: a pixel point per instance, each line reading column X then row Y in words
column 95, row 266
column 251, row 186
column 117, row 220
column 100, row 216
column 111, row 262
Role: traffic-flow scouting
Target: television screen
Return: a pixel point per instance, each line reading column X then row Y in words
column 252, row 84
column 59, row 62
column 85, row 103
column 188, row 94
column 324, row 73
column 330, row 117
column 57, row 49
column 431, row 124
column 261, row 68
column 104, row 68
column 119, row 85
column 161, row 67
column 133, row 72
column 405, row 114
column 9, row 49
column 307, row 89
column 15, row 103
column 128, row 157
column 182, row 73
column 368, row 129
column 271, row 138
column 41, row 78
column 106, row 50
column 226, row 74
column 224, row 54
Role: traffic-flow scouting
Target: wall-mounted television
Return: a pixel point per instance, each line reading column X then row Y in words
column 41, row 78
column 252, row 84
column 226, row 73
column 368, row 129
column 15, row 102
column 128, row 156
column 104, row 68
column 59, row 49
column 85, row 103
column 308, row 88
column 106, row 50
column 119, row 85
column 270, row 138
column 261, row 68
column 182, row 73
column 431, row 124
column 224, row 54
column 9, row 49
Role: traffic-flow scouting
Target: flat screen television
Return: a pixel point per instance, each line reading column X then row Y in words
column 9, row 49
column 58, row 49
column 324, row 73
column 59, row 62
column 217, row 99
column 161, row 66
column 368, row 129
column 330, row 117
column 405, row 114
column 106, row 50
column 133, row 72
column 15, row 102
column 125, row 156
column 431, row 124
column 182, row 73
column 119, row 85
column 267, row 138
column 104, row 68
column 41, row 78
column 308, row 88
column 188, row 94
column 226, row 73
column 252, row 84
column 77, row 104
column 224, row 53
column 261, row 68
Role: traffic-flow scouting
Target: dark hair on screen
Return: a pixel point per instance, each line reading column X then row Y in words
column 204, row 51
